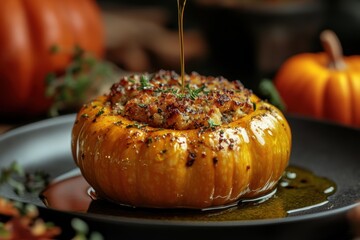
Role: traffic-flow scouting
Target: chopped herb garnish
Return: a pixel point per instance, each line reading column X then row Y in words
column 254, row 105
column 194, row 93
column 180, row 95
column 144, row 83
column 168, row 90
column 148, row 140
column 100, row 112
column 191, row 93
column 85, row 115
column 142, row 105
column 118, row 123
column 212, row 125
column 136, row 125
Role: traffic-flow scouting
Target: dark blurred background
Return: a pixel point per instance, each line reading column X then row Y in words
column 238, row 39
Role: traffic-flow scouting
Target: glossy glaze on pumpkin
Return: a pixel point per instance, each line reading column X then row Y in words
column 135, row 164
column 28, row 30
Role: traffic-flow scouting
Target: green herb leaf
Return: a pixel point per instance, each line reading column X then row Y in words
column 81, row 80
column 194, row 92
column 79, row 226
column 142, row 105
column 144, row 83
column 212, row 124
column 37, row 181
column 268, row 89
column 8, row 173
column 100, row 112
column 21, row 181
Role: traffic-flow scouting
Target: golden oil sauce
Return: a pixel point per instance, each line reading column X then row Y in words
column 181, row 8
column 298, row 190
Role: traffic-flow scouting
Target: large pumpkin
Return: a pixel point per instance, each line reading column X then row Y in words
column 322, row 85
column 28, row 32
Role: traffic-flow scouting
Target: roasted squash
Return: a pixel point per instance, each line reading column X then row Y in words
column 210, row 164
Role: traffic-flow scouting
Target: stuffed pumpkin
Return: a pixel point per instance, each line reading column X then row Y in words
column 150, row 142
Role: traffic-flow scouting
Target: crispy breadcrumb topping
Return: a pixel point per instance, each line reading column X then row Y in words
column 158, row 100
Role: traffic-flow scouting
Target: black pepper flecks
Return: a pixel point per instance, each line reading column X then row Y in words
column 191, row 159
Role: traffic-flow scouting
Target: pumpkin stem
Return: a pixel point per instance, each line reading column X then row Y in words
column 333, row 49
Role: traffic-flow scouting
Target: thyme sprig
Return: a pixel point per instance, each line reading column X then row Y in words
column 80, row 80
column 144, row 83
column 23, row 182
column 193, row 93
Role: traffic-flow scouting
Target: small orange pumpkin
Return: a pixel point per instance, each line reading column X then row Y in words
column 322, row 85
column 28, row 30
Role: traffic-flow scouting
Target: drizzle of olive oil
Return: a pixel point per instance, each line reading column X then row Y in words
column 181, row 8
column 298, row 191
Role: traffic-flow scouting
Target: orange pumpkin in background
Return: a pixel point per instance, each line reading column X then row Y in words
column 28, row 32
column 322, row 85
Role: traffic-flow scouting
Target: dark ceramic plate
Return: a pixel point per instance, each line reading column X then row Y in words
column 328, row 150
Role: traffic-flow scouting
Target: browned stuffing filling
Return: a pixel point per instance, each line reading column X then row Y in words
column 158, row 100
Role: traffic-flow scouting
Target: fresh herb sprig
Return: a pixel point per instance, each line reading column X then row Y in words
column 167, row 90
column 269, row 91
column 23, row 182
column 144, row 83
column 80, row 80
column 193, row 93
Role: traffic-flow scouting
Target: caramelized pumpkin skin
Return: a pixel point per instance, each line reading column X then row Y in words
column 138, row 165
